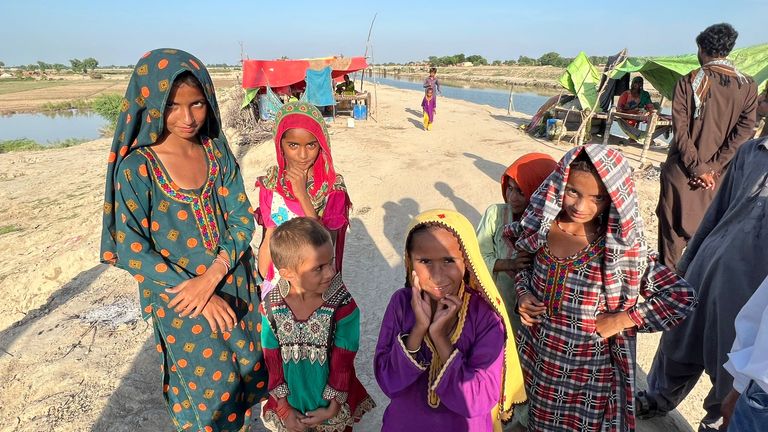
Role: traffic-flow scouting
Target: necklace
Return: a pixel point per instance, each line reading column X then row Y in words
column 557, row 221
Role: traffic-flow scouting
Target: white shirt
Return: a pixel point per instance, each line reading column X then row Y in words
column 748, row 359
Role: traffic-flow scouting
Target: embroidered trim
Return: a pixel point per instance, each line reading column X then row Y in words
column 433, row 386
column 410, row 357
column 559, row 268
column 280, row 391
column 308, row 339
column 330, row 393
column 201, row 205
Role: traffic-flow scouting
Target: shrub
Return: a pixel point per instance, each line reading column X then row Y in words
column 108, row 106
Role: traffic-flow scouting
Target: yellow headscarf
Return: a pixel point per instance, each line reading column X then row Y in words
column 512, row 389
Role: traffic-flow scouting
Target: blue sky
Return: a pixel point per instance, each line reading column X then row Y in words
column 120, row 32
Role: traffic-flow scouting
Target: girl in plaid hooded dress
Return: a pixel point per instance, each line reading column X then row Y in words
column 579, row 300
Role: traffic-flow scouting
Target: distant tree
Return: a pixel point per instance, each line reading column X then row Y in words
column 552, row 59
column 598, row 60
column 2, row 64
column 496, row 63
column 77, row 65
column 90, row 64
column 526, row 61
column 510, row 62
column 32, row 67
column 58, row 67
column 477, row 60
column 43, row 66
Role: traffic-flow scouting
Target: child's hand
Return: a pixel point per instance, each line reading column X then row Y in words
column 320, row 415
column 420, row 304
column 219, row 314
column 447, row 310
column 530, row 308
column 192, row 295
column 298, row 179
column 609, row 324
column 293, row 421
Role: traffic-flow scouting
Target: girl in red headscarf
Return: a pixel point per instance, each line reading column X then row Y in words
column 518, row 183
column 303, row 183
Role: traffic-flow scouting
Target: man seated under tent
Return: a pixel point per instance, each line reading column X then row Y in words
column 637, row 101
column 346, row 87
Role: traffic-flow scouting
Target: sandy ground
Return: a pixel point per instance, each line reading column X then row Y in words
column 74, row 354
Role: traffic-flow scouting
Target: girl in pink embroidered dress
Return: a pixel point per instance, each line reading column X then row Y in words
column 303, row 183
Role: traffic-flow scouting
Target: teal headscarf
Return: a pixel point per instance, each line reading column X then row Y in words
column 141, row 120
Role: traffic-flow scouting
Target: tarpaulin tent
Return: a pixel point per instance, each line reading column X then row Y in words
column 275, row 74
column 281, row 73
column 581, row 77
column 663, row 72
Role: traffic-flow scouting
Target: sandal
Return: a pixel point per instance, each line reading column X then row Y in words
column 646, row 406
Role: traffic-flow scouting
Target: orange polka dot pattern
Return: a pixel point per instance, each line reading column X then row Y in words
column 163, row 239
column 211, row 382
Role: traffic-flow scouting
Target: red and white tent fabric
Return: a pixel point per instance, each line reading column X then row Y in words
column 282, row 73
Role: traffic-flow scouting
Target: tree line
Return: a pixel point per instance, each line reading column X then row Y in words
column 83, row 66
column 548, row 59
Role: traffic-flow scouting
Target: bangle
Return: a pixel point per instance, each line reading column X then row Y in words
column 405, row 336
column 282, row 411
column 221, row 261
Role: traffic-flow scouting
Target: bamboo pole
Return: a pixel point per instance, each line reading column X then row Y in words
column 511, row 106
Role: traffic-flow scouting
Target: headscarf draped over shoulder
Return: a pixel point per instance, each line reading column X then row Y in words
column 625, row 257
column 512, row 390
column 141, row 120
column 302, row 115
column 529, row 171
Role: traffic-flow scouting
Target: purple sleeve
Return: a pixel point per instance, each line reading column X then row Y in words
column 469, row 383
column 336, row 213
column 395, row 369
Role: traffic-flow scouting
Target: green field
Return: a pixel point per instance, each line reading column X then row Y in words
column 17, row 85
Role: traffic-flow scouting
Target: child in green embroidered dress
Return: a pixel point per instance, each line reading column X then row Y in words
column 311, row 332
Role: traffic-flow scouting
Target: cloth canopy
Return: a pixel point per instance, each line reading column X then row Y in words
column 581, row 78
column 280, row 73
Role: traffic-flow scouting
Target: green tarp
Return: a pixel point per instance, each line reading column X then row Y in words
column 661, row 72
column 581, row 79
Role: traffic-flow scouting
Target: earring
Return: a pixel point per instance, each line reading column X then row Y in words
column 284, row 286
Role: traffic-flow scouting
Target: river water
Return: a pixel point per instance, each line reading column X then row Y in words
column 49, row 128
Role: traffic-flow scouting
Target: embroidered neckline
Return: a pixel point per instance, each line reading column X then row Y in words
column 202, row 209
column 559, row 268
column 306, row 339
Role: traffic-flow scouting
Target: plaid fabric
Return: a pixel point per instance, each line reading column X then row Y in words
column 577, row 380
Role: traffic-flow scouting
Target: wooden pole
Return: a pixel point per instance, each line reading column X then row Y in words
column 511, row 106
column 367, row 44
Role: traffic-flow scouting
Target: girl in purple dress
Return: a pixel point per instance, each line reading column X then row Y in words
column 446, row 352
column 429, row 105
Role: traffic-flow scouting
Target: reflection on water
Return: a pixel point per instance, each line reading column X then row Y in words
column 525, row 100
column 50, row 127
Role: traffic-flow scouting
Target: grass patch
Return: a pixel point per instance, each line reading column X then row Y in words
column 7, row 229
column 26, row 144
column 20, row 85
column 78, row 104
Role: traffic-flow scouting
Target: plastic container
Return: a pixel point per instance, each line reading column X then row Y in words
column 551, row 127
column 356, row 111
column 363, row 111
column 350, row 122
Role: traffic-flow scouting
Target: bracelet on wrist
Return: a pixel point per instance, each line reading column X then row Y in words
column 405, row 344
column 222, row 261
